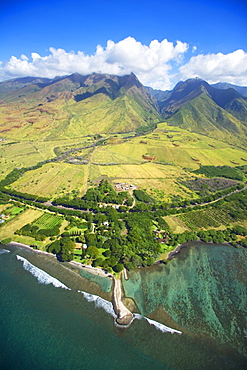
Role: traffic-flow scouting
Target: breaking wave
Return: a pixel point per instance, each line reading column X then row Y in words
column 162, row 327
column 41, row 275
column 158, row 325
column 45, row 278
column 99, row 302
column 2, row 251
column 108, row 307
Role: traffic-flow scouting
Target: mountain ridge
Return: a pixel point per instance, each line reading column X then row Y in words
column 108, row 103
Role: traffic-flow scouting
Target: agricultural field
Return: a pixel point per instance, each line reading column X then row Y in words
column 147, row 176
column 3, row 207
column 206, row 219
column 52, row 180
column 175, row 151
column 48, row 221
column 8, row 229
column 14, row 210
column 28, row 153
column 183, row 149
column 177, row 226
column 111, row 154
column 19, row 154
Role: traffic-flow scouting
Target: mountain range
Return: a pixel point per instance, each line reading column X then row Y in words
column 76, row 105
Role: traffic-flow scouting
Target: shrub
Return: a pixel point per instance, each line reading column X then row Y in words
column 6, row 241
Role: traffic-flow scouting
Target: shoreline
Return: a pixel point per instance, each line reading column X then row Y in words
column 175, row 251
column 124, row 316
column 25, row 246
column 179, row 247
column 93, row 270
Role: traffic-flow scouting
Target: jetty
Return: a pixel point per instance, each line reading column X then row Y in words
column 124, row 316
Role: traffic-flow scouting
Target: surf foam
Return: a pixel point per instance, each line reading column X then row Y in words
column 2, row 251
column 108, row 307
column 41, row 275
column 162, row 327
column 99, row 302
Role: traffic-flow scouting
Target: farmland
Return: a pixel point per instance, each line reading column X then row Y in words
column 119, row 158
column 7, row 230
column 67, row 168
column 208, row 218
column 48, row 221
column 61, row 177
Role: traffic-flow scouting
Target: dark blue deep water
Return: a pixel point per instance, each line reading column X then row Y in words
column 46, row 326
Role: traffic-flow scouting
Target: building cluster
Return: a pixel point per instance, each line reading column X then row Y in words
column 122, row 186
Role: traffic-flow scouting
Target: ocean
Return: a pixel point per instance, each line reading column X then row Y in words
column 53, row 316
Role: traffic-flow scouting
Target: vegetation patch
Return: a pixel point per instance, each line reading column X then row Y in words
column 204, row 186
column 221, row 171
column 46, row 225
column 142, row 196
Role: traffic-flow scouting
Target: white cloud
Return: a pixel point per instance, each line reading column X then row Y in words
column 151, row 63
column 155, row 65
column 231, row 68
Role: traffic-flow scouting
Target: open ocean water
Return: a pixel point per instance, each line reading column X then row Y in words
column 46, row 323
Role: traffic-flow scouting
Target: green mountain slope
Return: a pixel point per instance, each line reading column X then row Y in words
column 204, row 116
column 75, row 105
column 238, row 108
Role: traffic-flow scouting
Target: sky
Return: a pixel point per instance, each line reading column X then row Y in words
column 161, row 41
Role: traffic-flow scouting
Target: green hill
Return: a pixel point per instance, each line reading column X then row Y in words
column 204, row 116
column 238, row 108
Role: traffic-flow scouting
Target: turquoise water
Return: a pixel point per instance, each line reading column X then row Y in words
column 104, row 284
column 204, row 290
column 45, row 326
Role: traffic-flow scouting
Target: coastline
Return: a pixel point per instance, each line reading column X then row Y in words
column 175, row 251
column 25, row 246
column 91, row 269
column 179, row 247
column 124, row 316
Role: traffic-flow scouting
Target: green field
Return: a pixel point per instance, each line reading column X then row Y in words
column 176, row 152
column 53, row 179
column 48, row 221
column 7, row 230
column 208, row 218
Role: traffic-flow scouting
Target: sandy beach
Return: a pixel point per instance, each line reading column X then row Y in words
column 91, row 269
column 21, row 245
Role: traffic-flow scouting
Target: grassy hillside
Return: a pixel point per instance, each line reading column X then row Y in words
column 99, row 114
column 203, row 116
column 57, row 119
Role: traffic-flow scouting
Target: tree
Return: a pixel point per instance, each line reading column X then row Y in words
column 118, row 267
column 92, row 252
column 98, row 262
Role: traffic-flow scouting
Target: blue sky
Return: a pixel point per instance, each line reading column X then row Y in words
column 162, row 42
